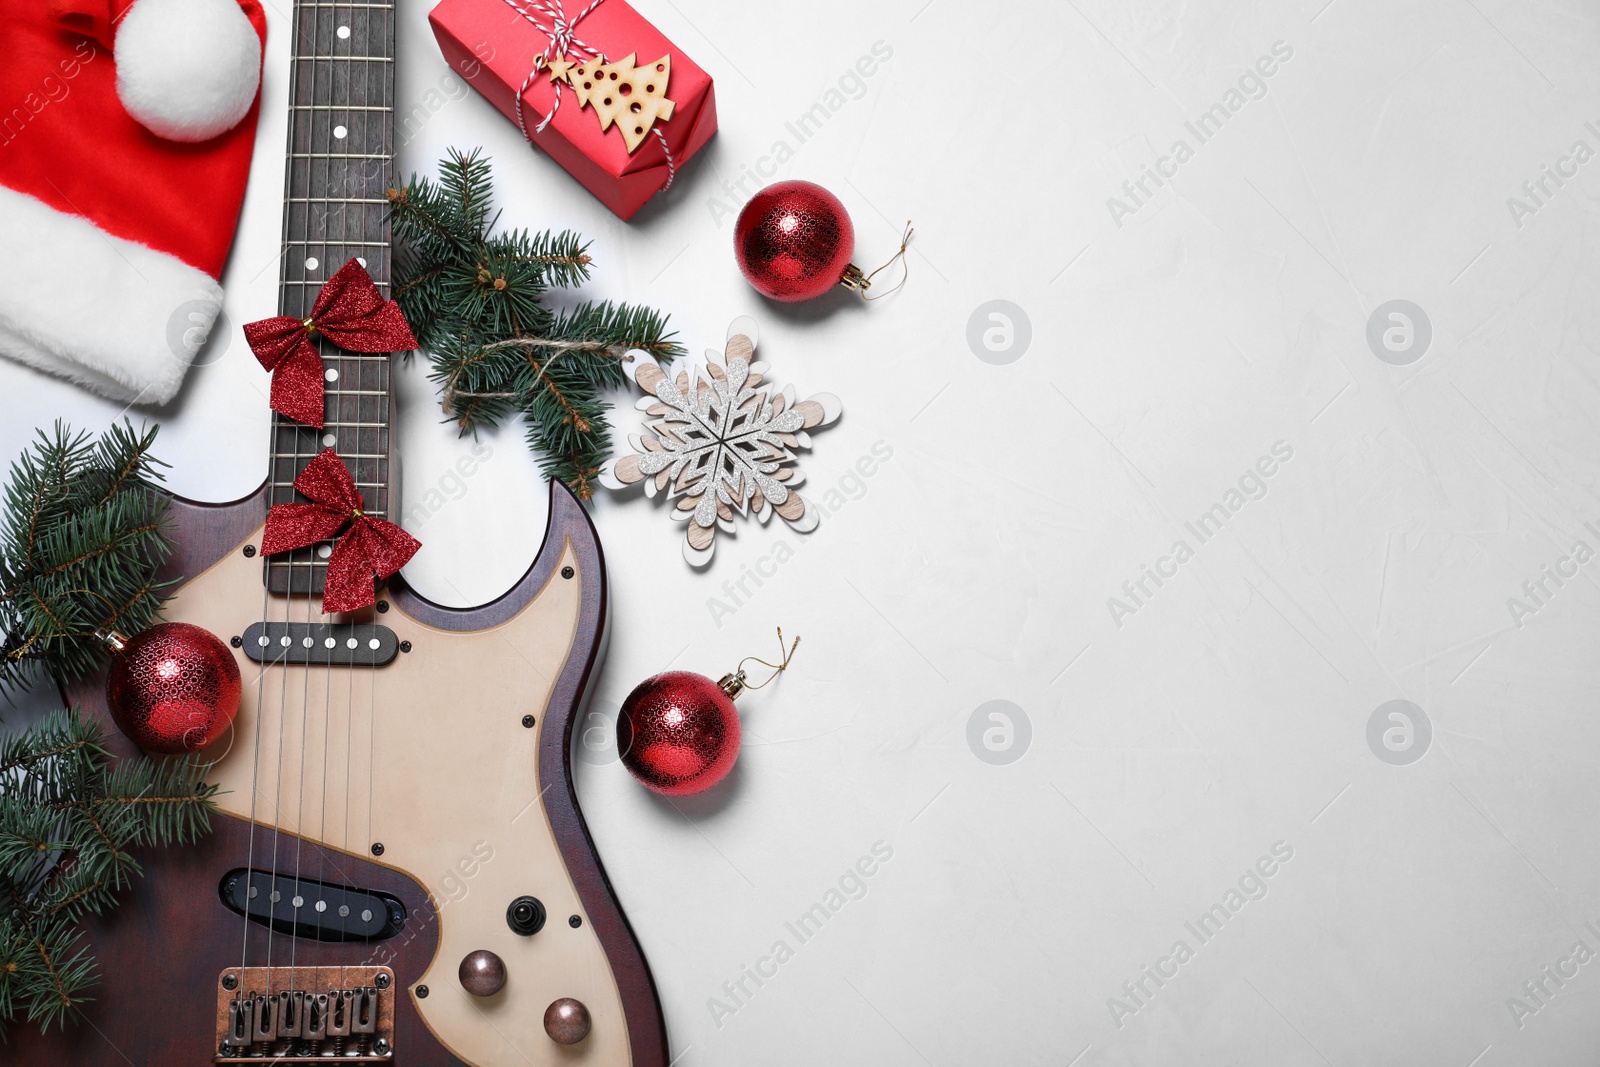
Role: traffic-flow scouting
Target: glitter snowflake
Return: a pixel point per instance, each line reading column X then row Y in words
column 721, row 441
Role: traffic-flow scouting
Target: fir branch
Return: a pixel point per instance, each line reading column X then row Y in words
column 475, row 300
column 70, row 817
column 82, row 534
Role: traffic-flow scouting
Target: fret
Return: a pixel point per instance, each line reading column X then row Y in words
column 343, row 59
column 380, row 7
column 319, row 282
column 339, row 155
column 340, row 241
column 340, row 107
column 367, row 510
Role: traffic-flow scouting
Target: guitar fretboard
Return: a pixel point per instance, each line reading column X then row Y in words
column 335, row 209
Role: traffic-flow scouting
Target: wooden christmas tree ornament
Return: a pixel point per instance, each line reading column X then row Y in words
column 632, row 97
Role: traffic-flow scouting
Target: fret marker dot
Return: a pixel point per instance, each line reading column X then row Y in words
column 328, row 440
column 339, row 132
column 332, row 374
column 324, row 551
column 311, row 263
column 344, row 33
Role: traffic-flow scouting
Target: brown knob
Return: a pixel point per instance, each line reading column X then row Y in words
column 566, row 1021
column 483, row 974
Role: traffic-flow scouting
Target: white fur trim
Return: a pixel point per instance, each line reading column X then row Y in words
column 116, row 316
column 188, row 70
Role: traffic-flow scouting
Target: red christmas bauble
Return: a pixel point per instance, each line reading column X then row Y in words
column 678, row 733
column 174, row 688
column 794, row 241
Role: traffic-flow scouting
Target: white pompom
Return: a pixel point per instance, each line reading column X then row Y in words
column 187, row 70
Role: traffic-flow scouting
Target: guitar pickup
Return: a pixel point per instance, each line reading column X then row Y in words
column 321, row 644
column 311, row 909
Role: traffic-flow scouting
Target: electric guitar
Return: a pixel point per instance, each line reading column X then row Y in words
column 400, row 872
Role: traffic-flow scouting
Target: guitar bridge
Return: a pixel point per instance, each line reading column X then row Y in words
column 306, row 1014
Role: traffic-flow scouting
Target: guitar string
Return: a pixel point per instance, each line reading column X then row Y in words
column 266, row 568
column 339, row 18
column 266, row 615
column 323, row 839
column 330, row 394
column 310, row 567
column 361, row 385
column 384, row 431
column 296, row 901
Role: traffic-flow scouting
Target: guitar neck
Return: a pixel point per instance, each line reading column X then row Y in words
column 335, row 209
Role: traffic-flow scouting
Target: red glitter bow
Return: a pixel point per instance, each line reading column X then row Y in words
column 371, row 546
column 351, row 313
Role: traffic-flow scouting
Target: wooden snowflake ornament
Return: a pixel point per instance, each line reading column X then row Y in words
column 721, row 441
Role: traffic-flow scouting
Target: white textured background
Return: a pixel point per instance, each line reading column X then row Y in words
column 1226, row 313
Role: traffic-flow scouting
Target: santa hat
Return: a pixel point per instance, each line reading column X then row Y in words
column 123, row 161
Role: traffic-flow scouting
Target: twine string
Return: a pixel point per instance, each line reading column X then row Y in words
column 777, row 668
column 562, row 41
column 905, row 242
column 617, row 352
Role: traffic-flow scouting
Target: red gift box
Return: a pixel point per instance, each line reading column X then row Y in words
column 504, row 48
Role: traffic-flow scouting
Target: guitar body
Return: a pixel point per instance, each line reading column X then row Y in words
column 428, row 757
